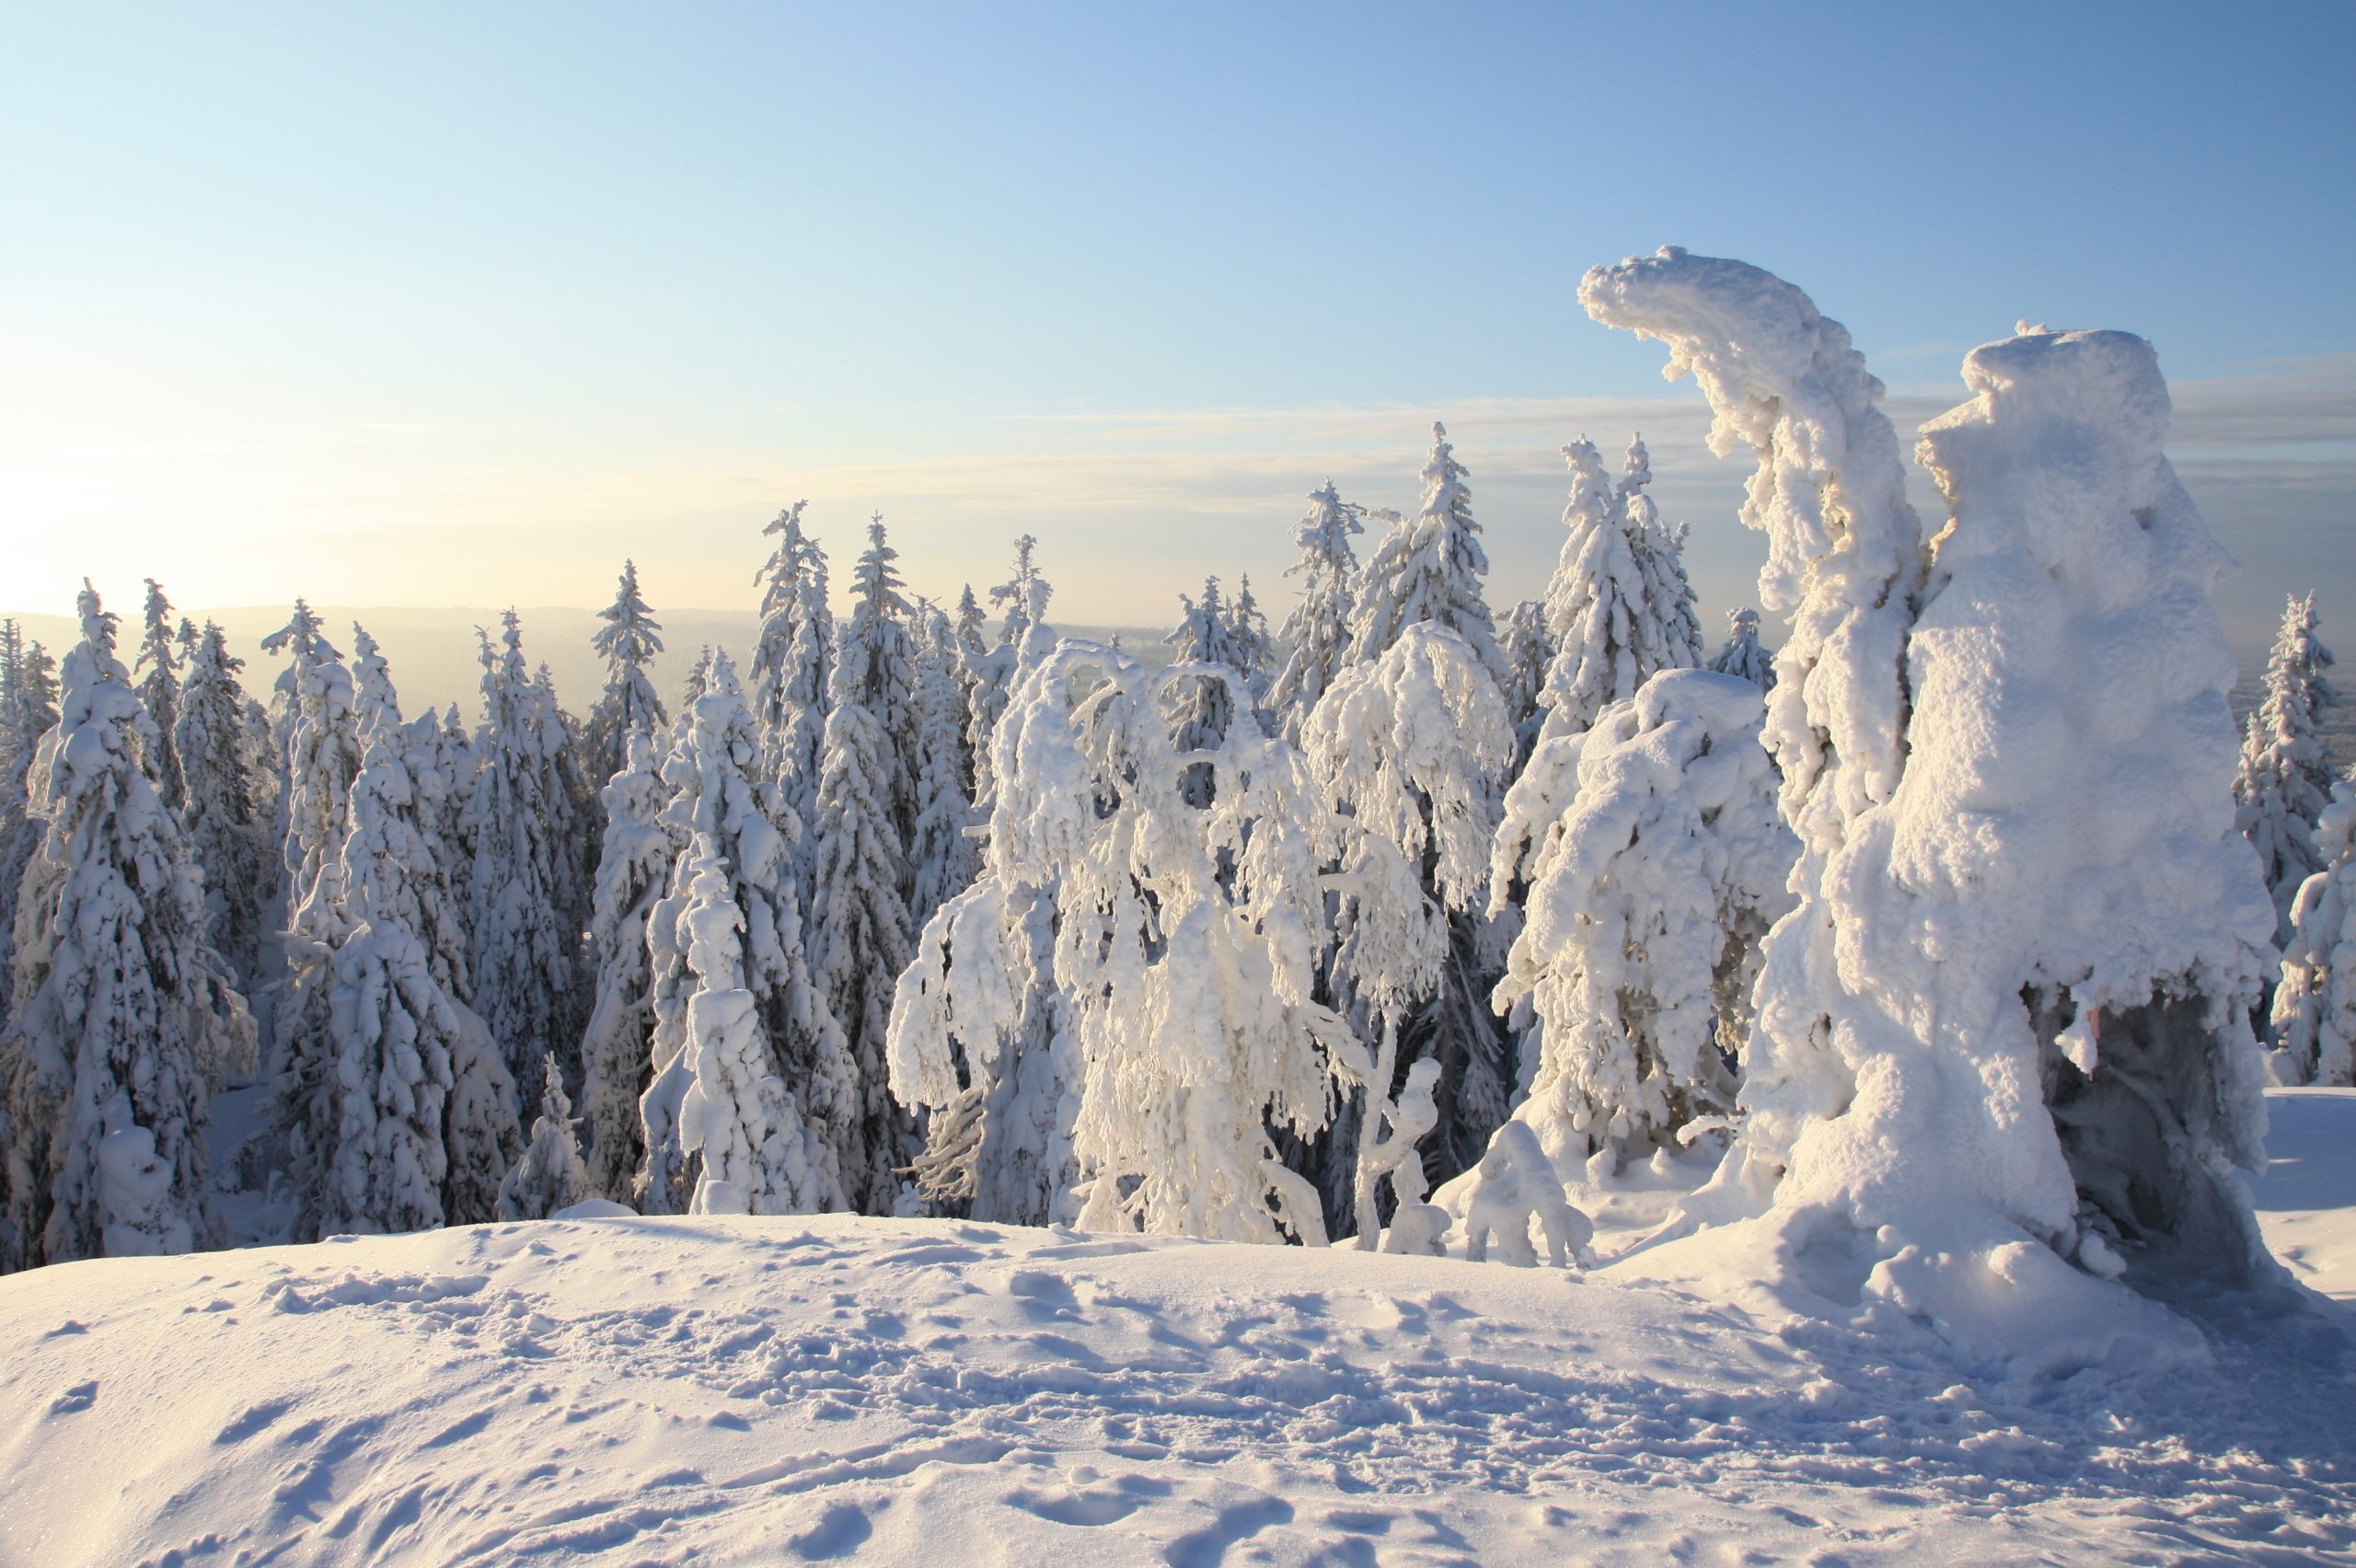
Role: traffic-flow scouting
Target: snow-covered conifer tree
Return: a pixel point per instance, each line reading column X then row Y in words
column 27, row 710
column 1204, row 705
column 1599, row 609
column 1742, row 657
column 2285, row 776
column 627, row 642
column 1429, row 568
column 1656, row 862
column 876, row 669
column 792, row 669
column 1672, row 628
column 159, row 692
column 1024, row 639
column 2005, row 1030
column 226, row 831
column 524, row 888
column 1528, row 649
column 124, row 1018
column 633, row 872
column 549, row 1174
column 2314, row 1005
column 1320, row 627
column 1256, row 647
column 943, row 858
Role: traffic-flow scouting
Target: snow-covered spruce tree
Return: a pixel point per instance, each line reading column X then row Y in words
column 634, row 873
column 2006, row 1029
column 1656, row 862
column 1599, row 608
column 1411, row 750
column 715, row 805
column 1256, row 646
column 27, row 710
column 124, row 1018
column 521, row 824
column 1185, row 956
column 1025, row 638
column 2285, row 774
column 793, row 670
column 1429, row 568
column 628, row 643
column 1203, row 708
column 1322, row 626
column 860, row 932
column 2314, row 1005
column 1741, row 656
column 1673, row 629
column 159, row 692
column 549, row 1174
column 322, row 757
column 698, row 678
column 301, row 641
column 943, row 858
column 1528, row 649
column 226, row 831
column 876, row 668
column 756, row 1149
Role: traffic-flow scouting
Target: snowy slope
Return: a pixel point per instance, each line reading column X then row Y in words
column 633, row 1391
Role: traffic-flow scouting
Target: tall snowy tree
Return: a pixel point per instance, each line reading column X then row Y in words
column 876, row 669
column 159, row 692
column 1256, row 646
column 2314, row 1005
column 1025, row 638
column 226, row 830
column 124, row 1018
column 628, row 643
column 1599, row 609
column 2005, row 1030
column 2285, row 774
column 793, row 670
column 1429, row 568
column 1741, row 656
column 1672, row 628
column 27, row 710
column 526, row 927
column 633, row 872
column 943, row 858
column 1528, row 649
column 1204, row 705
column 1320, row 627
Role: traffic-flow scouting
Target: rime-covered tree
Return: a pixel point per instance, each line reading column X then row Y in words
column 633, row 872
column 1322, row 626
column 301, row 640
column 1598, row 611
column 792, row 669
column 2285, row 774
column 521, row 885
column 1656, row 862
column 1256, row 646
column 1203, row 706
column 549, row 1174
column 226, row 830
column 715, row 808
column 27, row 710
column 943, row 858
column 2314, row 1005
column 1528, row 649
column 1672, row 628
column 1742, row 656
column 122, row 1018
column 1429, row 568
column 1024, row 639
column 628, row 643
column 876, row 668
column 159, row 692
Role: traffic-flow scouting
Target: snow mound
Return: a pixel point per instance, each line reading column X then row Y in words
column 737, row 1388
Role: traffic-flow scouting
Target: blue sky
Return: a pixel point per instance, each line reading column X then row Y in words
column 457, row 304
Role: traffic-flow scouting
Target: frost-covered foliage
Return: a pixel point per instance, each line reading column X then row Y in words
column 1184, row 954
column 2285, row 774
column 1529, row 649
column 1202, row 709
column 1672, row 628
column 226, row 830
column 523, row 883
column 628, row 706
column 716, row 810
column 755, row 1146
column 860, row 932
column 633, row 872
column 549, row 1174
column 160, row 693
column 1025, row 638
column 2006, row 1031
column 1741, row 656
column 1322, row 626
column 1599, row 609
column 1412, row 750
column 793, row 666
column 1429, row 568
column 1656, row 862
column 122, row 1016
column 943, row 858
column 2314, row 1007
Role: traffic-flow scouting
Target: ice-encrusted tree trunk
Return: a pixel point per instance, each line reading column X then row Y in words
column 2314, row 1005
column 1184, row 954
column 1410, row 750
column 2285, row 774
column 521, row 825
column 792, row 673
column 1598, row 610
column 633, row 872
column 1656, row 861
column 226, row 831
column 1742, row 655
column 160, row 693
column 2006, row 1029
column 943, row 858
column 716, row 806
column 1322, row 626
column 124, row 1018
column 629, row 705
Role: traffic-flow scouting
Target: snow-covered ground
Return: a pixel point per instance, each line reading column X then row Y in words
column 664, row 1390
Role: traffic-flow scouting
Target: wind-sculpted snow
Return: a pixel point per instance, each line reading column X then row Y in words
column 835, row 1389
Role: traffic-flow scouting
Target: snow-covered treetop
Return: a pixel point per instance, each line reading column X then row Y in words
column 1429, row 568
column 630, row 637
column 1206, row 633
column 1025, row 597
column 627, row 642
column 1319, row 626
column 1597, row 607
column 970, row 621
column 374, row 705
column 1742, row 656
column 299, row 639
column 1844, row 548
